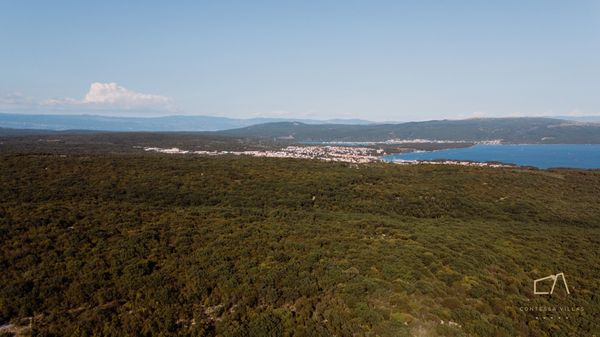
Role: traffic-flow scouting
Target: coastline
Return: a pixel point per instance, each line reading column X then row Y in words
column 503, row 155
column 540, row 156
column 356, row 155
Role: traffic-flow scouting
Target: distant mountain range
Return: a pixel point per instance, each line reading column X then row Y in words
column 167, row 123
column 508, row 130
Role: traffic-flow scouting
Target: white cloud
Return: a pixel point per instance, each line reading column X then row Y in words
column 114, row 96
column 579, row 113
column 518, row 114
column 15, row 99
column 274, row 113
column 111, row 93
column 280, row 114
column 474, row 114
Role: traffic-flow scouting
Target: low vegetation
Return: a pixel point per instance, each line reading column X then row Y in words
column 144, row 245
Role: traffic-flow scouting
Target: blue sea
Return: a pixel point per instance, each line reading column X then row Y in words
column 537, row 155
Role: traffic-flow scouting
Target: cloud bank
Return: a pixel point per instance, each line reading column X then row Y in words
column 15, row 99
column 113, row 96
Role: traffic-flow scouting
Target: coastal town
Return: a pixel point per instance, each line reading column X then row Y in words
column 451, row 162
column 347, row 154
column 419, row 141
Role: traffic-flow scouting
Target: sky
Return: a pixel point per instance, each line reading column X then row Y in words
column 376, row 60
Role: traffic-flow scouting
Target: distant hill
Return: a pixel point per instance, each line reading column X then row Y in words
column 5, row 132
column 8, row 132
column 509, row 130
column 167, row 123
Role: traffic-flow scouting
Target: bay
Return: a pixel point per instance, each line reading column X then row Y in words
column 538, row 155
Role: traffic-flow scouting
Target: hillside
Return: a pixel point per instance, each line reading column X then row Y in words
column 237, row 246
column 509, row 130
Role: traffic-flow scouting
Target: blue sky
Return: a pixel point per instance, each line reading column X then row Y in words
column 377, row 60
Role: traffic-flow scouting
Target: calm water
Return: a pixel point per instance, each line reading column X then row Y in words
column 538, row 155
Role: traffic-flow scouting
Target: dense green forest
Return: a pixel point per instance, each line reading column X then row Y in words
column 15, row 141
column 157, row 245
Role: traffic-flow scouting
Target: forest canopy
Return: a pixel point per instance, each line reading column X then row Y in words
column 141, row 245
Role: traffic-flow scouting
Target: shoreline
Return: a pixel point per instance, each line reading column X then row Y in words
column 356, row 155
column 455, row 162
column 539, row 156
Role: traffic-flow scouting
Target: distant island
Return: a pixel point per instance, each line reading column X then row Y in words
column 498, row 130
